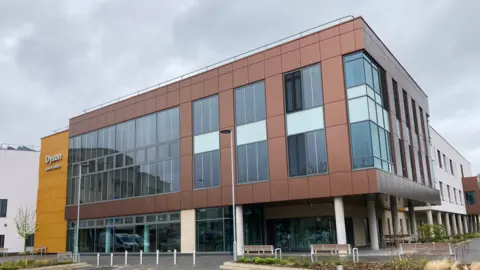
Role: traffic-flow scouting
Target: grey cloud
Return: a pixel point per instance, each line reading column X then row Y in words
column 59, row 57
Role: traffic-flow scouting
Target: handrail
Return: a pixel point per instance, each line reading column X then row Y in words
column 220, row 63
column 4, row 146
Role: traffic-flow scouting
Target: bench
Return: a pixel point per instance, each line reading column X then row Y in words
column 40, row 250
column 258, row 249
column 64, row 256
column 427, row 249
column 4, row 251
column 399, row 238
column 329, row 249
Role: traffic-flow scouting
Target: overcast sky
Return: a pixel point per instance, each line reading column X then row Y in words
column 60, row 57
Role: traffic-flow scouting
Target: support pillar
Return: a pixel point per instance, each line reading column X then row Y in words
column 146, row 239
column 394, row 211
column 108, row 238
column 429, row 216
column 470, row 224
column 465, row 225
column 454, row 225
column 439, row 218
column 187, row 231
column 412, row 218
column 448, row 228
column 459, row 224
column 476, row 223
column 372, row 222
column 340, row 220
column 240, row 240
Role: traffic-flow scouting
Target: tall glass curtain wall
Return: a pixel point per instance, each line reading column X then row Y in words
column 214, row 229
column 135, row 158
column 367, row 113
column 252, row 152
column 206, row 143
column 148, row 233
column 306, row 145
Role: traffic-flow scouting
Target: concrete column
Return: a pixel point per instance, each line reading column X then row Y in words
column 439, row 218
column 394, row 211
column 459, row 223
column 448, row 229
column 240, row 240
column 340, row 220
column 372, row 222
column 476, row 223
column 429, row 217
column 454, row 224
column 470, row 224
column 465, row 225
column 187, row 231
column 412, row 218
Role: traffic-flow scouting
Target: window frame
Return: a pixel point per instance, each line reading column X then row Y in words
column 3, row 208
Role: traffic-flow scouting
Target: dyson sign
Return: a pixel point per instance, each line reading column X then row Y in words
column 52, row 159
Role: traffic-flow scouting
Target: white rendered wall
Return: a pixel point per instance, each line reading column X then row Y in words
column 445, row 176
column 18, row 184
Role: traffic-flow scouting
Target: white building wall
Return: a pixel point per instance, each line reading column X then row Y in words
column 18, row 184
column 447, row 175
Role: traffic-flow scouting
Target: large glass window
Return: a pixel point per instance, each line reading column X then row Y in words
column 147, row 233
column 252, row 162
column 205, row 115
column 367, row 113
column 139, row 157
column 307, row 153
column 207, row 169
column 470, row 198
column 252, row 150
column 214, row 229
column 305, row 141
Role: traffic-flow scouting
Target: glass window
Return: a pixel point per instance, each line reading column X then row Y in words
column 307, row 153
column 125, row 136
column 207, row 169
column 205, row 115
column 354, row 73
column 168, row 125
column 303, row 89
column 470, row 198
column 214, row 230
column 252, row 162
column 250, row 103
column 3, row 207
column 145, row 128
column 361, row 145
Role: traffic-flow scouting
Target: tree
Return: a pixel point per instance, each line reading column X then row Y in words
column 25, row 224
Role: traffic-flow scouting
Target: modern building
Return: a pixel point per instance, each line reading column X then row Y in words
column 18, row 189
column 52, row 187
column 449, row 169
column 330, row 141
column 471, row 186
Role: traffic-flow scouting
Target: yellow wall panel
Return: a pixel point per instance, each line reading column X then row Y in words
column 51, row 195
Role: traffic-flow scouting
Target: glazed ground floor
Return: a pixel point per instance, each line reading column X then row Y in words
column 361, row 220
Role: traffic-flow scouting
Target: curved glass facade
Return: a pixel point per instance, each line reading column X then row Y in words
column 136, row 158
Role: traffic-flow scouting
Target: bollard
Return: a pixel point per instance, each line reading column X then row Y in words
column 194, row 257
column 157, row 256
column 111, row 259
column 126, row 257
column 174, row 257
column 141, row 257
column 98, row 259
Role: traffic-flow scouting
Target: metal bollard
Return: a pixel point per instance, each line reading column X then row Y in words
column 157, row 256
column 141, row 257
column 98, row 259
column 194, row 257
column 175, row 257
column 126, row 257
column 111, row 259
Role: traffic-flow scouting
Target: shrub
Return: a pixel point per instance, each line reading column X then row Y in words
column 281, row 262
column 431, row 233
column 241, row 260
column 305, row 264
column 405, row 264
column 258, row 260
column 269, row 261
column 40, row 263
column 11, row 265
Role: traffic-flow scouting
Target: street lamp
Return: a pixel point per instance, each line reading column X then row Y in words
column 229, row 131
column 80, row 166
